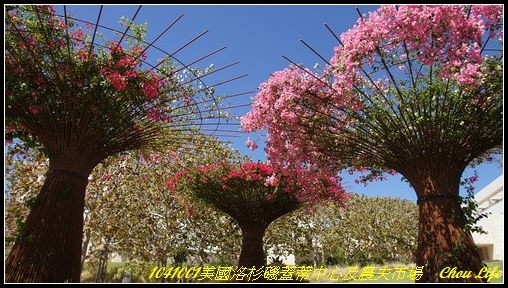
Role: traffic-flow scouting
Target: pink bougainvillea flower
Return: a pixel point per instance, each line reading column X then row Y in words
column 251, row 144
column 443, row 38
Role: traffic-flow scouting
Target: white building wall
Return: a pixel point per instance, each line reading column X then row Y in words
column 286, row 260
column 491, row 200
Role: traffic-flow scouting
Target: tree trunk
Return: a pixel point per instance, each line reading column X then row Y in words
column 252, row 246
column 442, row 241
column 84, row 250
column 49, row 249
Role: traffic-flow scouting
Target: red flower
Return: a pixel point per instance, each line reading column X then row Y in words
column 150, row 88
column 170, row 184
column 206, row 168
column 232, row 174
column 136, row 50
column 78, row 35
column 131, row 74
column 156, row 115
column 114, row 47
column 190, row 211
column 127, row 62
column 35, row 109
column 117, row 81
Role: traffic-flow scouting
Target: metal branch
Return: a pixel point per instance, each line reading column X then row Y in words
column 95, row 30
column 315, row 52
column 211, row 72
column 67, row 33
column 128, row 26
column 201, row 58
column 160, row 35
column 179, row 49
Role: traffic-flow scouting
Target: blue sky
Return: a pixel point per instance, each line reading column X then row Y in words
column 257, row 36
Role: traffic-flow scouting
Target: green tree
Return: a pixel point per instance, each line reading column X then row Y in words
column 130, row 206
column 368, row 230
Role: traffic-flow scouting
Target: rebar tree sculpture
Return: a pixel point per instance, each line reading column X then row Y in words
column 81, row 100
column 410, row 89
column 127, row 203
column 252, row 196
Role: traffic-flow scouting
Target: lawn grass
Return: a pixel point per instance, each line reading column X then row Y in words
column 391, row 278
column 496, row 263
